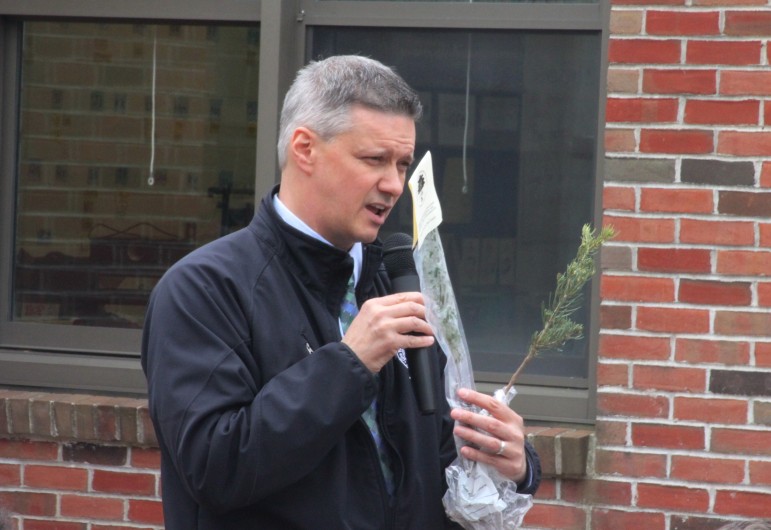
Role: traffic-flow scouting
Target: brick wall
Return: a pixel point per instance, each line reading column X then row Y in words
column 683, row 434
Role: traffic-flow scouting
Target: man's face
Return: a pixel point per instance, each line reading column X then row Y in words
column 359, row 174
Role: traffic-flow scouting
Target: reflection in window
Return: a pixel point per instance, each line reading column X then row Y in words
column 137, row 144
column 511, row 123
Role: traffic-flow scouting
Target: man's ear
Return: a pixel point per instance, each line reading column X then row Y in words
column 302, row 148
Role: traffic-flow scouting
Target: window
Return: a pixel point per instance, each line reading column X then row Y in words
column 136, row 145
column 131, row 136
column 511, row 123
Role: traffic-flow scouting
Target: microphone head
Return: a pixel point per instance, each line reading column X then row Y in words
column 397, row 255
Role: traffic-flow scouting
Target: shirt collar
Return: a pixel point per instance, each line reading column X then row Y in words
column 298, row 224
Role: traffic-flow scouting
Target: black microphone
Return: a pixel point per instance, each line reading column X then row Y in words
column 398, row 260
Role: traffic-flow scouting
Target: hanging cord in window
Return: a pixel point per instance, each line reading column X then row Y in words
column 151, row 176
column 466, row 116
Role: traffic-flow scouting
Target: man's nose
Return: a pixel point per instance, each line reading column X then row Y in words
column 392, row 181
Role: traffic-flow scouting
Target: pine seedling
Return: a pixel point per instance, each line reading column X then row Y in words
column 558, row 326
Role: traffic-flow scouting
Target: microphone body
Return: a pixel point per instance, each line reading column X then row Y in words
column 404, row 278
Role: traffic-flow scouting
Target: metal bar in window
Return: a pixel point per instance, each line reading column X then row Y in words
column 223, row 10
column 454, row 15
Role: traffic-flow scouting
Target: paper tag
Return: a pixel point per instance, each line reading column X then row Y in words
column 426, row 210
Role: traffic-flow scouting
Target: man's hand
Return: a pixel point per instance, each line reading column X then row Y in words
column 502, row 440
column 384, row 324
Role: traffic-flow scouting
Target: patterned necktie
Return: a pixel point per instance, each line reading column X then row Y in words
column 348, row 310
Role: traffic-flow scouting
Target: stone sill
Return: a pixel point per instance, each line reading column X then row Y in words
column 564, row 451
column 89, row 418
column 94, row 418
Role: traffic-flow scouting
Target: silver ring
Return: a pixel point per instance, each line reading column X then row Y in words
column 501, row 448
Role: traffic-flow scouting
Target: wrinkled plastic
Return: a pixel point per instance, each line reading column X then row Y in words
column 477, row 497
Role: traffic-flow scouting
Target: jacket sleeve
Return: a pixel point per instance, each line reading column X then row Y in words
column 229, row 434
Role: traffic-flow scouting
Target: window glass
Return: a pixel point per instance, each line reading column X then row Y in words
column 511, row 123
column 137, row 144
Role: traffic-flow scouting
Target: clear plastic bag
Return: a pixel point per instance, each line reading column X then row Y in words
column 478, row 497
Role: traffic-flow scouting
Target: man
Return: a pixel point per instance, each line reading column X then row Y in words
column 272, row 409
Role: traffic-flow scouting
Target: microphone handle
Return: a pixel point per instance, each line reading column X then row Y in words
column 418, row 359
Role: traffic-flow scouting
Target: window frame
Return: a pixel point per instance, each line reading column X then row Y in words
column 106, row 359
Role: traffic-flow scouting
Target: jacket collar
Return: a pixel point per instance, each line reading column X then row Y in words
column 322, row 268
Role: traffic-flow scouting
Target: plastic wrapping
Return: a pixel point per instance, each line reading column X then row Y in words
column 478, row 497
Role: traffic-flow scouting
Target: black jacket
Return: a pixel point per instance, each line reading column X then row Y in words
column 257, row 404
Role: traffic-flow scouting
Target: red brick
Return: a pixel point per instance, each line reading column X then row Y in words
column 682, row 23
column 703, row 232
column 745, row 83
column 620, row 140
column 145, row 458
column 626, row 22
column 646, row 110
column 764, row 294
column 763, row 354
column 668, row 436
column 556, row 516
column 669, row 378
column 26, row 450
column 632, row 405
column 637, row 289
column 615, row 317
column 765, row 172
column 92, row 507
column 676, row 141
column 632, row 347
column 676, row 200
column 623, row 80
column 607, row 375
column 743, row 143
column 630, row 463
column 618, row 198
column 680, row 81
column 712, row 351
column 10, row 474
column 145, row 511
column 742, row 323
column 723, row 52
column 674, row 260
column 610, row 432
column 744, row 262
column 709, row 292
column 741, row 441
column 672, row 498
column 642, row 230
column 593, row 491
column 718, row 112
column 643, row 51
column 744, row 503
column 56, row 477
column 606, row 519
column 765, row 233
column 717, row 470
column 29, row 503
column 711, row 410
column 748, row 23
column 760, row 472
column 120, row 482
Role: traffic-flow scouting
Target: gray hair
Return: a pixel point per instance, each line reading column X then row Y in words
column 323, row 93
